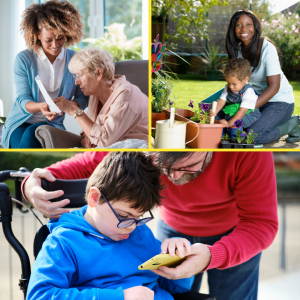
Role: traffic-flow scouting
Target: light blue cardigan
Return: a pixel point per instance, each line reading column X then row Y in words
column 25, row 70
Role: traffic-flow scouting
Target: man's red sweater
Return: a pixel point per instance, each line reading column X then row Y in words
column 237, row 189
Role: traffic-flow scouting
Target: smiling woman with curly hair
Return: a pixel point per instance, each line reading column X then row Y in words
column 48, row 28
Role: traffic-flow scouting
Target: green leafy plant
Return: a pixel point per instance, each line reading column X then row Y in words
column 284, row 31
column 226, row 137
column 250, row 136
column 161, row 90
column 116, row 43
column 212, row 59
column 2, row 120
column 240, row 136
column 201, row 114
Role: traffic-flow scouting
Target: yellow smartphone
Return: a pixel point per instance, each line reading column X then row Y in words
column 162, row 260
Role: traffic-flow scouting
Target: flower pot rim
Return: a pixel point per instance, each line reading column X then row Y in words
column 194, row 124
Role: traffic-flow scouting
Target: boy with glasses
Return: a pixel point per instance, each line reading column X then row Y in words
column 94, row 252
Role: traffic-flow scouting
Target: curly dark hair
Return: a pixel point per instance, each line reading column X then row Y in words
column 238, row 67
column 61, row 16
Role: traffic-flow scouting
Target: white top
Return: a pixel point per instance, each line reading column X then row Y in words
column 51, row 76
column 269, row 65
column 248, row 98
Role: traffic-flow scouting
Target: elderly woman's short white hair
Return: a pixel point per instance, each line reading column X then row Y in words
column 92, row 60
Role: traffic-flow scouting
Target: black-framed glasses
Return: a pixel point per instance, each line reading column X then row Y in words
column 191, row 171
column 128, row 222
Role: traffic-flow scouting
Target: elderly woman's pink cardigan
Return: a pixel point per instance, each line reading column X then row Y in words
column 123, row 116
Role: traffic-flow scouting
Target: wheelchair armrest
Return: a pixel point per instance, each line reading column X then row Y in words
column 74, row 190
column 51, row 137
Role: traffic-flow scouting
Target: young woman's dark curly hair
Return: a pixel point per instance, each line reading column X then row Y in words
column 60, row 16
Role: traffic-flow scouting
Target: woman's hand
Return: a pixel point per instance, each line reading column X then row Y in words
column 180, row 245
column 194, row 264
column 50, row 115
column 86, row 143
column 67, row 106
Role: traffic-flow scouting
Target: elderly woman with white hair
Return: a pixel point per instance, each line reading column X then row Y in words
column 117, row 109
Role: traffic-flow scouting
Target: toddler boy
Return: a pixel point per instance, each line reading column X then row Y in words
column 238, row 99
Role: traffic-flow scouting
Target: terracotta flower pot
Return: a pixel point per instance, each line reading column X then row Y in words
column 184, row 112
column 157, row 117
column 209, row 136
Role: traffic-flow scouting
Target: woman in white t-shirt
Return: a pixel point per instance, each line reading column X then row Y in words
column 276, row 100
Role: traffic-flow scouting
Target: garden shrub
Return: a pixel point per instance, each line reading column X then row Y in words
column 284, row 32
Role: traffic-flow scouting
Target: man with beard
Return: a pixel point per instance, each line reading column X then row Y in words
column 224, row 203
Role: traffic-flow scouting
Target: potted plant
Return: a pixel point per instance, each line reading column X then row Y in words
column 209, row 134
column 241, row 139
column 213, row 61
column 226, row 141
column 161, row 90
column 250, row 138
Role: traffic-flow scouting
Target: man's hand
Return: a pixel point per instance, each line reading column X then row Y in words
column 180, row 245
column 138, row 293
column 39, row 198
column 67, row 106
column 194, row 264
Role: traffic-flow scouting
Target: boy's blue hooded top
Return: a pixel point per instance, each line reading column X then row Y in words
column 78, row 262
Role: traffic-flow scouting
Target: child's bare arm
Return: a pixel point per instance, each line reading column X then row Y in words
column 220, row 105
column 238, row 116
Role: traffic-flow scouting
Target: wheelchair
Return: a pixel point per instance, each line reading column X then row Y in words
column 73, row 190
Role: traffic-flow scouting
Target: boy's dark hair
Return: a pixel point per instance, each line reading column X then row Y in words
column 238, row 67
column 130, row 176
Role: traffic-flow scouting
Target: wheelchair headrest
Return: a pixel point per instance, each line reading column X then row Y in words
column 74, row 190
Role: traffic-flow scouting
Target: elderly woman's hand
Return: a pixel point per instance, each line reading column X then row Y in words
column 86, row 143
column 47, row 113
column 67, row 106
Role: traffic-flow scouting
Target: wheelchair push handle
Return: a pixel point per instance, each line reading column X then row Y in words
column 13, row 174
column 74, row 190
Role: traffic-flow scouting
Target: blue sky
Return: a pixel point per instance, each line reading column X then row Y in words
column 279, row 5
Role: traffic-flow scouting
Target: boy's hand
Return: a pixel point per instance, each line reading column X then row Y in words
column 224, row 122
column 212, row 114
column 180, row 245
column 138, row 293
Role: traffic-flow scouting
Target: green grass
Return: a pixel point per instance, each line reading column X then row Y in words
column 198, row 90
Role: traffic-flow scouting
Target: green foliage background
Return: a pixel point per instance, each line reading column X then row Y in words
column 31, row 160
column 284, row 31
